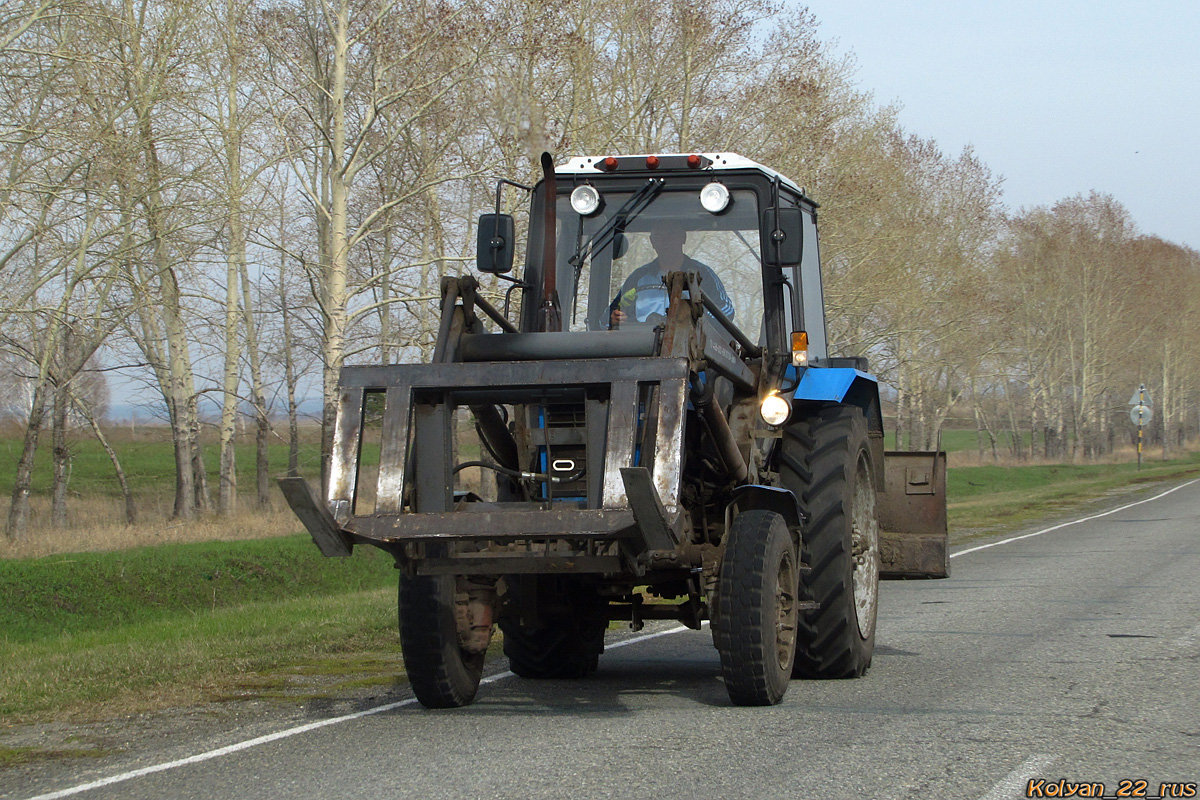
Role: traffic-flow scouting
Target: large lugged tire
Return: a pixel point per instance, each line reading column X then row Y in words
column 566, row 643
column 826, row 462
column 755, row 616
column 442, row 674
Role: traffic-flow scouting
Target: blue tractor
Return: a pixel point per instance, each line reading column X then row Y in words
column 665, row 435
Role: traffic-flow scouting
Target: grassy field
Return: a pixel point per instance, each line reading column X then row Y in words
column 101, row 630
column 958, row 440
column 82, row 592
column 147, row 459
column 95, row 508
column 108, row 625
column 989, row 499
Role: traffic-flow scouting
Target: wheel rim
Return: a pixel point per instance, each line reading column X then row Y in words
column 864, row 538
column 785, row 606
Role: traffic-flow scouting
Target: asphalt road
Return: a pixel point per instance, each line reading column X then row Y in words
column 1070, row 655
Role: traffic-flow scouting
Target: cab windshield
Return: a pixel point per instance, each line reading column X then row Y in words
column 611, row 264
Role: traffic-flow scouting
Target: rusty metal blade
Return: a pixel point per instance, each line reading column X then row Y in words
column 315, row 516
column 913, row 535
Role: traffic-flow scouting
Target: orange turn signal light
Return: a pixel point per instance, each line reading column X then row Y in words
column 799, row 348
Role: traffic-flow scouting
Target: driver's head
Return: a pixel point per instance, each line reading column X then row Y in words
column 668, row 237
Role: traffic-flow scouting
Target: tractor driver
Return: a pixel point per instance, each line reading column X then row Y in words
column 667, row 239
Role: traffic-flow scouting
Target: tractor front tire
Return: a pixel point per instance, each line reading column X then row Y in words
column 755, row 614
column 442, row 673
column 826, row 461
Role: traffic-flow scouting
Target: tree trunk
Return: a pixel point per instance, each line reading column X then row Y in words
column 336, row 278
column 122, row 481
column 227, row 480
column 180, row 401
column 1018, row 444
column 62, row 457
column 262, row 434
column 1164, row 401
column 978, row 421
column 1033, row 427
column 385, row 299
column 18, row 512
column 199, row 473
column 289, row 369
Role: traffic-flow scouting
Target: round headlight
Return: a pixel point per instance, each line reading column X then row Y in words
column 714, row 198
column 775, row 410
column 585, row 200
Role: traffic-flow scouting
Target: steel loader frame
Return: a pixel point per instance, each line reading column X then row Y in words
column 632, row 516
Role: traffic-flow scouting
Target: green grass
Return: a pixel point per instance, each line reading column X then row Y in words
column 149, row 464
column 960, row 440
column 81, row 592
column 226, row 653
column 148, row 459
column 114, row 632
column 987, row 499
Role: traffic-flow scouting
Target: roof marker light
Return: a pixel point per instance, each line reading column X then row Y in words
column 609, row 163
column 693, row 161
column 651, row 162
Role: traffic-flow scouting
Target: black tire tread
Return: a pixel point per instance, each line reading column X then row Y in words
column 818, row 462
column 441, row 674
column 742, row 631
column 561, row 646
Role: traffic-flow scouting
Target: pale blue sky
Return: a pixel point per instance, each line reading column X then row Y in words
column 1059, row 97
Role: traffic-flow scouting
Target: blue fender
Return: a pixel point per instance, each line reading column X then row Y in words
column 851, row 387
column 840, row 385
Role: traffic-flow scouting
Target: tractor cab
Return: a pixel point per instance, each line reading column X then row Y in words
column 622, row 224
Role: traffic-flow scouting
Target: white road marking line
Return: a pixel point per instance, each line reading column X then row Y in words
column 1013, row 784
column 284, row 734
column 1072, row 522
column 655, row 635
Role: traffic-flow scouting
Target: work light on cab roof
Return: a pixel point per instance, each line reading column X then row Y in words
column 714, row 197
column 586, row 200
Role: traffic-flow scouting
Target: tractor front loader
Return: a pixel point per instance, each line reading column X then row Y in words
column 668, row 438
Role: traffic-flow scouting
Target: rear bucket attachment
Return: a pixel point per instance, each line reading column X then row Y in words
column 913, row 537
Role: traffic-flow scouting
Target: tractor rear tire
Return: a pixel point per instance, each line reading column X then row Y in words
column 826, row 461
column 442, row 673
column 755, row 614
column 566, row 643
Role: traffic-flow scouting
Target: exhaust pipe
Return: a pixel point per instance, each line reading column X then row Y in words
column 549, row 314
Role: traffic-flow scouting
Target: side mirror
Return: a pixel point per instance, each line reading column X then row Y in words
column 494, row 243
column 785, row 243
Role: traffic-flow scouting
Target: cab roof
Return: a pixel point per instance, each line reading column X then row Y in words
column 673, row 163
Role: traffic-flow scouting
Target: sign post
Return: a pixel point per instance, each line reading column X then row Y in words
column 1140, row 414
